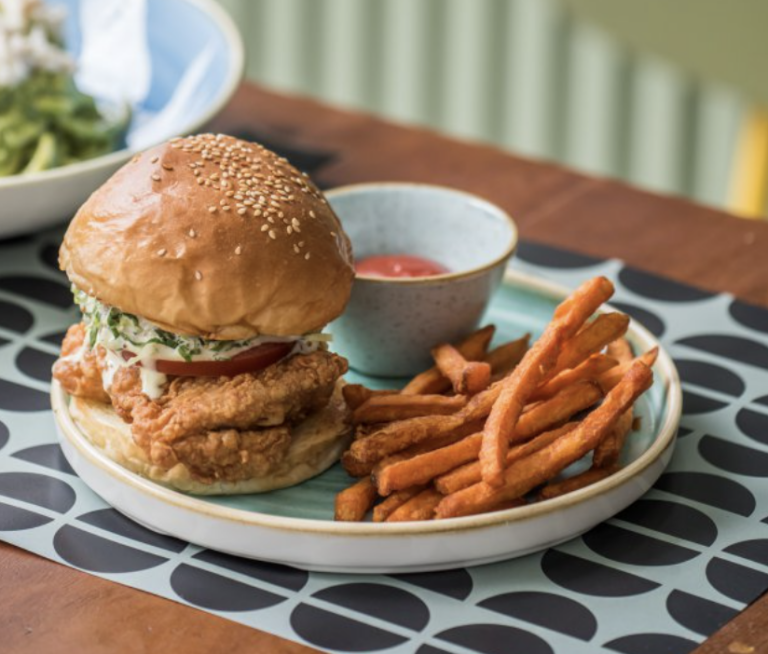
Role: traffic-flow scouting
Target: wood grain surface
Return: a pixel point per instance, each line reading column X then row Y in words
column 46, row 607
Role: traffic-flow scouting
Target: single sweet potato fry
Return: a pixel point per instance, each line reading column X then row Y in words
column 356, row 395
column 525, row 474
column 419, row 507
column 353, row 503
column 611, row 377
column 621, row 350
column 608, row 451
column 472, row 348
column 385, row 508
column 388, row 408
column 466, row 377
column 589, row 370
column 592, row 338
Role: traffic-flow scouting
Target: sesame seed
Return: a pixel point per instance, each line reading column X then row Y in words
column 311, row 214
column 227, row 207
column 154, row 159
column 212, row 209
column 198, row 275
column 238, row 250
column 296, row 249
column 156, row 178
column 167, row 166
column 289, row 229
column 306, row 256
column 162, row 252
column 192, row 233
column 264, row 227
column 333, row 234
column 242, row 211
column 272, row 234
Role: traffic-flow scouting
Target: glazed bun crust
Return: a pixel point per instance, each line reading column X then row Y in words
column 214, row 237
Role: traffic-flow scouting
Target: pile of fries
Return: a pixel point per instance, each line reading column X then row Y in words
column 482, row 430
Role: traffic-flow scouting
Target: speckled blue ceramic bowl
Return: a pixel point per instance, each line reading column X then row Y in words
column 390, row 325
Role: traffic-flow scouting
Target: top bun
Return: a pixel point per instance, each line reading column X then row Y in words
column 212, row 236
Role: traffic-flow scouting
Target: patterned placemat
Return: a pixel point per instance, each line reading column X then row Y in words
column 683, row 560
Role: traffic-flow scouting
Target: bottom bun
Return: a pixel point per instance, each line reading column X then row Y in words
column 316, row 444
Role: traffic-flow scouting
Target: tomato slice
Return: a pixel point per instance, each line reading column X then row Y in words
column 257, row 358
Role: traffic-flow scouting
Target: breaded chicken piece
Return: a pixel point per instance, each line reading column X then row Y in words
column 227, row 428
column 284, row 392
column 80, row 375
column 222, row 428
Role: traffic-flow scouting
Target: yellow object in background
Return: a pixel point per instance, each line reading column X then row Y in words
column 749, row 184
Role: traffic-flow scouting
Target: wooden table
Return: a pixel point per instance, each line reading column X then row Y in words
column 46, row 607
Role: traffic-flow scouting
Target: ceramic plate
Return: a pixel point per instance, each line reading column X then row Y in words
column 295, row 526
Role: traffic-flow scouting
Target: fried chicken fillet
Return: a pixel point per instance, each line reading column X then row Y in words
column 221, row 428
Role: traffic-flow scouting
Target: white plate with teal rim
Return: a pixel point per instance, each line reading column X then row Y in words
column 295, row 526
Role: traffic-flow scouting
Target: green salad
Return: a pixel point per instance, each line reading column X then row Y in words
column 45, row 121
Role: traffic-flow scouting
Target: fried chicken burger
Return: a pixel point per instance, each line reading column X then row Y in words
column 206, row 270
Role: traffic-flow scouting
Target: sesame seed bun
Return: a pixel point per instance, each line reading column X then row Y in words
column 215, row 237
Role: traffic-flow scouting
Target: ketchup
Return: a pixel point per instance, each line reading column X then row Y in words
column 399, row 265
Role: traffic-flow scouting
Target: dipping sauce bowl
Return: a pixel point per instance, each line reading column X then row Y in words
column 391, row 323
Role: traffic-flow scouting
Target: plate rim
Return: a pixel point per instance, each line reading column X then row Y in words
column 235, row 75
column 665, row 438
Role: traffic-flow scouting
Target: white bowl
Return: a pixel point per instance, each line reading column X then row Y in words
column 391, row 323
column 177, row 32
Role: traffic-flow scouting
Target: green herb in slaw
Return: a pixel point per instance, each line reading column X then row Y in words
column 120, row 331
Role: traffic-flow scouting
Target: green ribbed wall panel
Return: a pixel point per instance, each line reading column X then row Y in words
column 518, row 73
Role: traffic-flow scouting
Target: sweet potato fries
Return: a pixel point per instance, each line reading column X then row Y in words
column 486, row 430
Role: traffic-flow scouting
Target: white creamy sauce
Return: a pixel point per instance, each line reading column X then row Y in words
column 152, row 382
column 24, row 42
